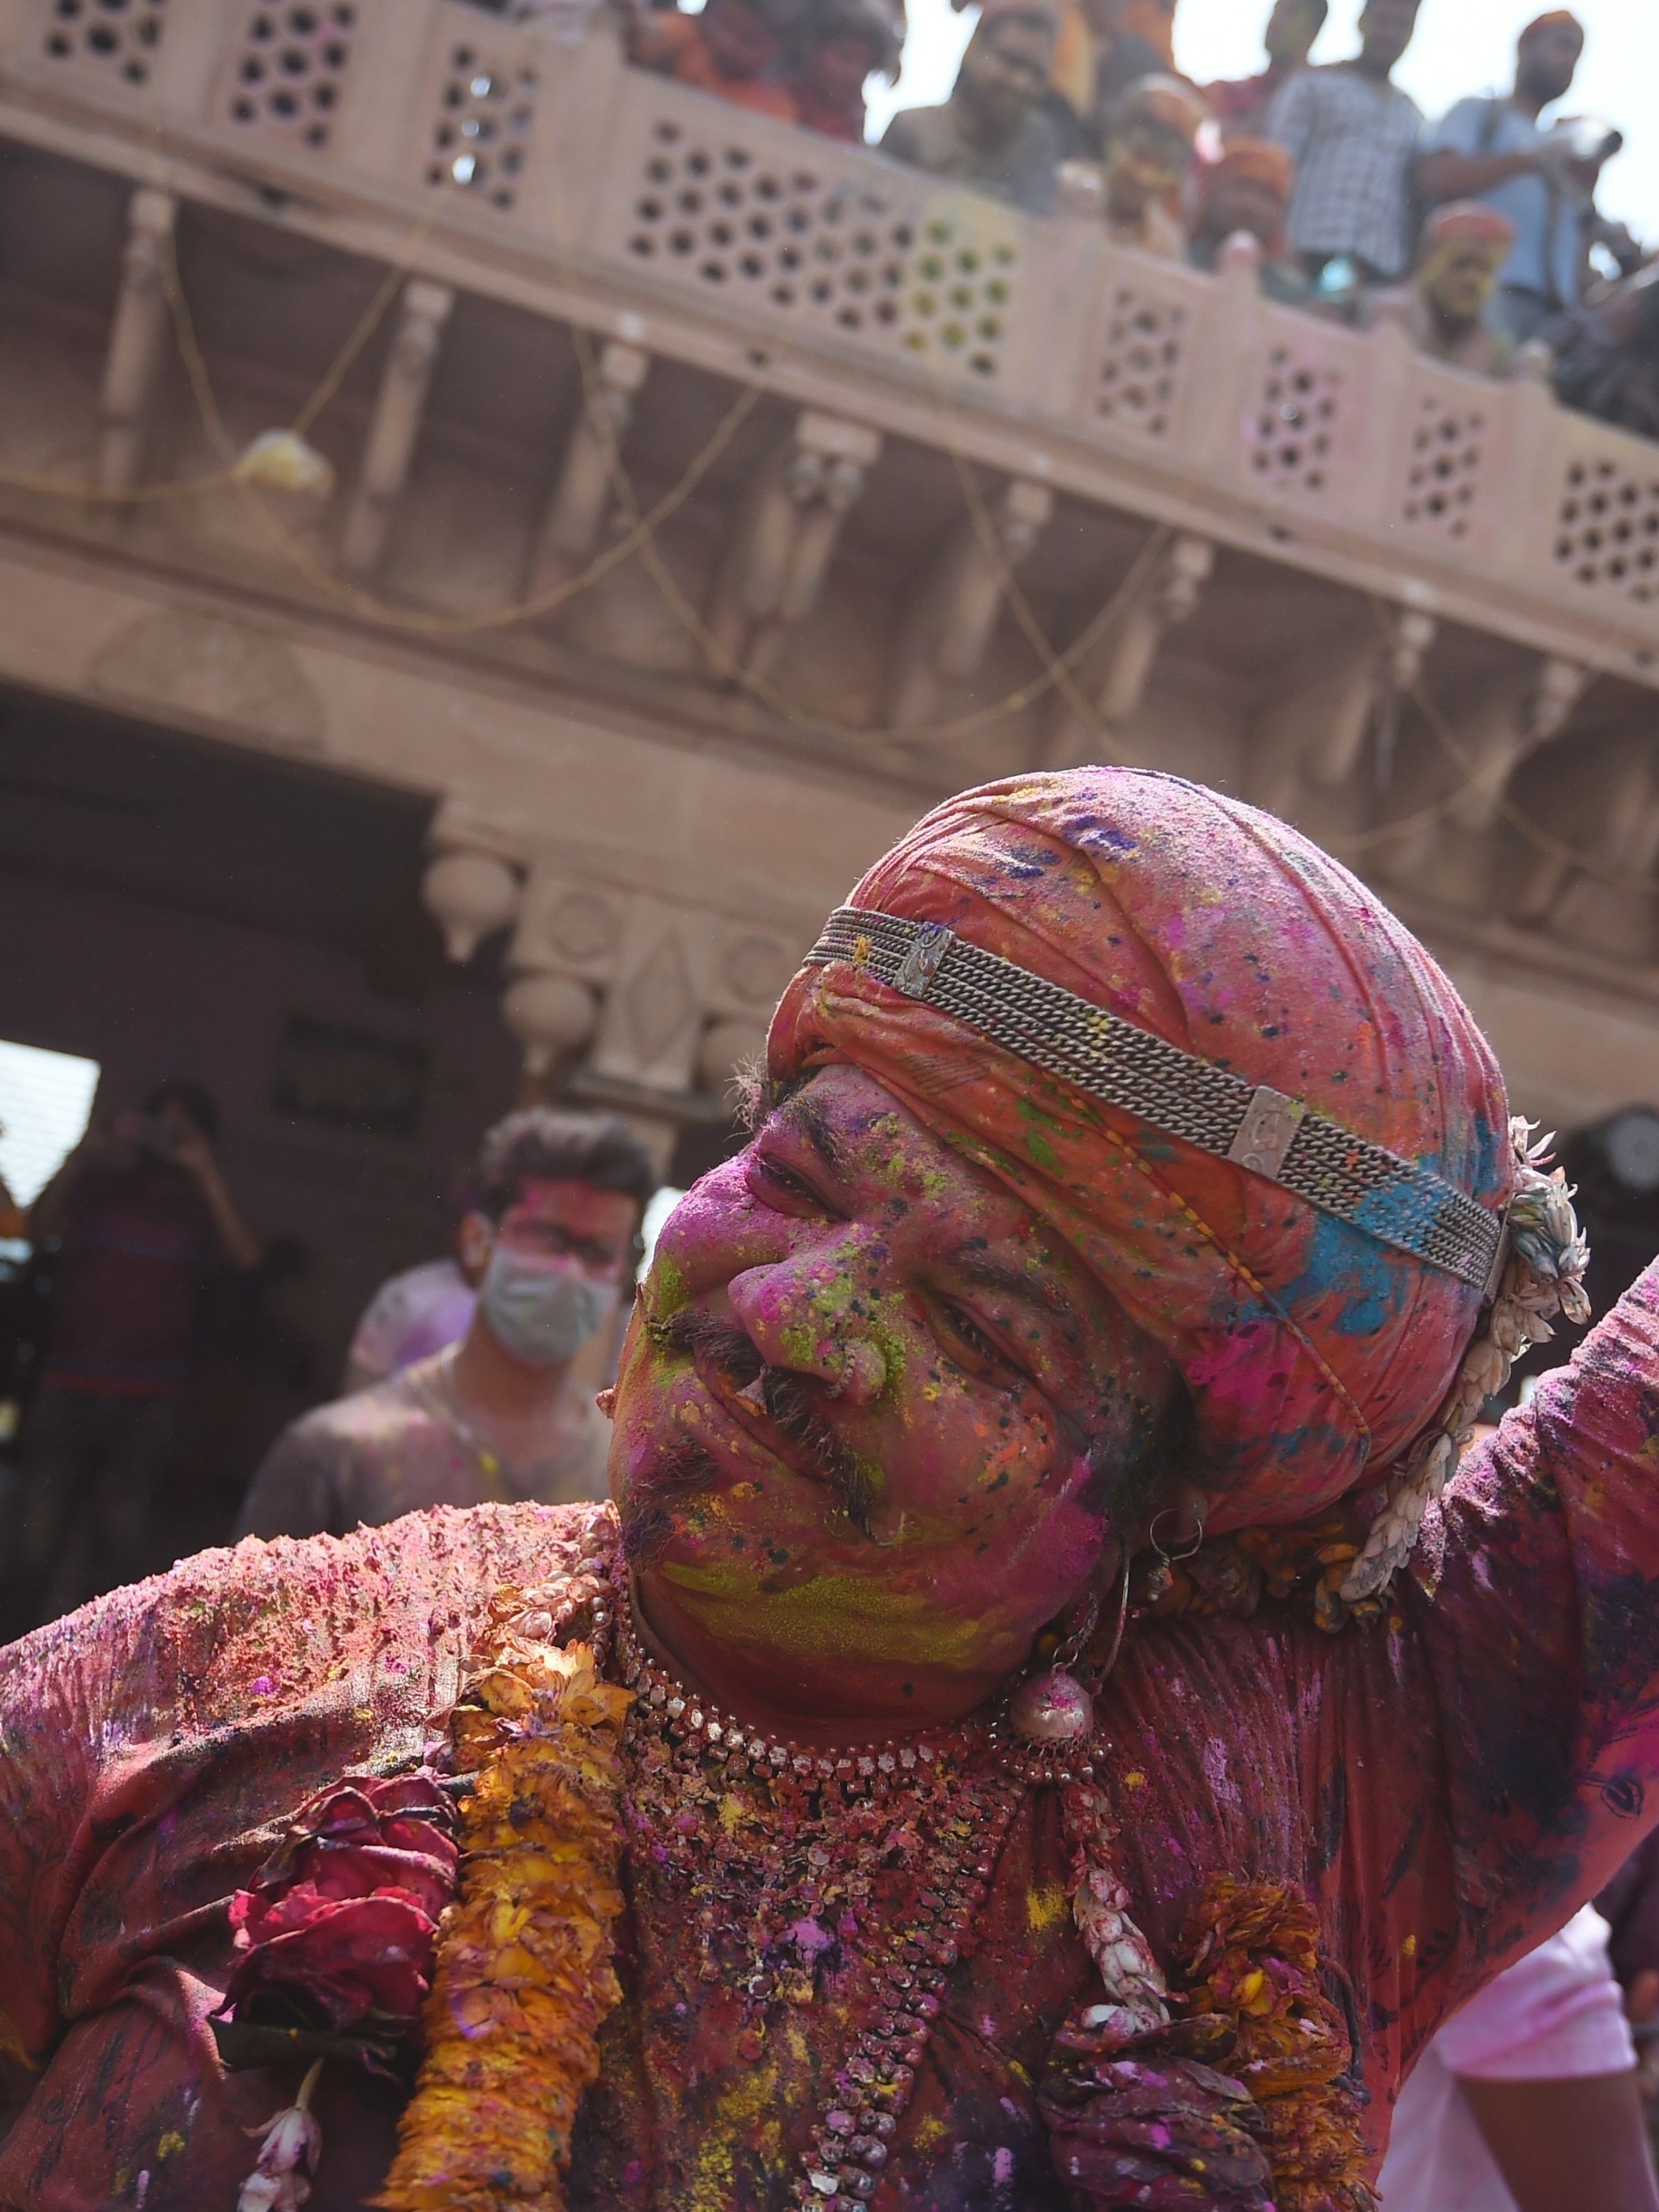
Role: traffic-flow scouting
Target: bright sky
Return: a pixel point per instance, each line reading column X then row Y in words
column 1460, row 47
column 44, row 1100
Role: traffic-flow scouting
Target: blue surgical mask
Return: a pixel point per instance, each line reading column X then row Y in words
column 542, row 1312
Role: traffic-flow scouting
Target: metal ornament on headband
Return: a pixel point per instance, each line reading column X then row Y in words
column 1280, row 1138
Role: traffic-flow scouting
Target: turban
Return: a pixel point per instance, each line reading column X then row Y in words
column 1468, row 222
column 1262, row 162
column 1313, row 1351
column 1165, row 100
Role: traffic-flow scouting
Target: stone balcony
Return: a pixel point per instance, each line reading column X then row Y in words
column 931, row 491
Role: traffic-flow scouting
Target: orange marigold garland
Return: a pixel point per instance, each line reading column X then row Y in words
column 1250, row 1953
column 1222, row 2086
column 524, row 1975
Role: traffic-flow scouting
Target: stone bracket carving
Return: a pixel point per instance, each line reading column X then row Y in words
column 1508, row 730
column 133, row 364
column 954, row 609
column 1313, row 734
column 395, row 425
column 1117, row 677
column 780, row 549
column 1602, row 906
column 583, row 495
column 685, row 990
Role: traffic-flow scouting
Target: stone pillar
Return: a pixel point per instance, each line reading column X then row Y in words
column 954, row 609
column 395, row 425
column 133, row 364
column 780, row 552
column 583, row 495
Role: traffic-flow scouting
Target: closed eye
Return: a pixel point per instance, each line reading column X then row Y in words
column 969, row 1345
column 776, row 1184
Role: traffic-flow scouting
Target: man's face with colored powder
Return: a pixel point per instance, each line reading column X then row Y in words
column 869, row 1415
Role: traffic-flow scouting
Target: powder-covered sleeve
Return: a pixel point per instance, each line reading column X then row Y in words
column 1536, row 1597
column 154, row 1745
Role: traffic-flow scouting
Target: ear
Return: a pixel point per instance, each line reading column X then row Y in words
column 474, row 1241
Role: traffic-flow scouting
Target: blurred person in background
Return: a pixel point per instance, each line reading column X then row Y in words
column 1103, row 47
column 1150, row 135
column 1492, row 147
column 497, row 1418
column 1630, row 1905
column 1447, row 309
column 1247, row 189
column 1527, row 2099
column 1240, row 106
column 1606, row 354
column 994, row 131
column 139, row 1215
column 413, row 1315
column 732, row 49
column 843, row 43
column 1352, row 135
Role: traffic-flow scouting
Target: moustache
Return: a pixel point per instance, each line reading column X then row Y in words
column 680, row 1471
column 787, row 1398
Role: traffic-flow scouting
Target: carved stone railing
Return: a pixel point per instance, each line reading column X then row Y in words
column 661, row 217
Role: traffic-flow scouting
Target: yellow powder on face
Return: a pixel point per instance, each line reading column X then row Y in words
column 827, row 1617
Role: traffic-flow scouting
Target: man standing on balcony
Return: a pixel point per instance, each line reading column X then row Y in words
column 1493, row 150
column 1352, row 135
column 1240, row 107
column 992, row 132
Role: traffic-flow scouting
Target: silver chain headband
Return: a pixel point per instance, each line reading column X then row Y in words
column 1277, row 1138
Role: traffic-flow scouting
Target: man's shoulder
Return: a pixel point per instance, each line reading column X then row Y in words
column 402, row 1402
column 296, row 1620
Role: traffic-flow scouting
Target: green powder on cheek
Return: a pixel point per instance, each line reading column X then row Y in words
column 667, row 1286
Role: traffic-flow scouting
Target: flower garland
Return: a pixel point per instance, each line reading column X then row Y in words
column 1135, row 2100
column 524, row 1975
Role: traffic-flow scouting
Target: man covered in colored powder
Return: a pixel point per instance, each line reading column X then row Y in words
column 1086, row 1732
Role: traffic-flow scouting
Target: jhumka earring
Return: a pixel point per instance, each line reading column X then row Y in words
column 1161, row 1581
column 1056, row 1706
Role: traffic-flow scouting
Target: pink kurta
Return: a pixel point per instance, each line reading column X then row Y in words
column 1450, row 1784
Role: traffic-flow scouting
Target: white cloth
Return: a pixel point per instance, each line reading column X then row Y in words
column 1555, row 2015
column 1353, row 139
column 409, row 1318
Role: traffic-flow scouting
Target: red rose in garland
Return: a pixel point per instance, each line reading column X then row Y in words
column 336, row 1935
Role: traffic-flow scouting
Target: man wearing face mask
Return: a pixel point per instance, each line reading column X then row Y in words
column 502, row 1417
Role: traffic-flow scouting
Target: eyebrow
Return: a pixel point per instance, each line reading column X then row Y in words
column 807, row 1117
column 1015, row 1283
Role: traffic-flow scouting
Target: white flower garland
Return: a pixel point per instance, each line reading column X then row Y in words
column 1543, row 1277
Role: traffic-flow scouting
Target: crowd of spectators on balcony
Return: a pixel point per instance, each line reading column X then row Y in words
column 1477, row 233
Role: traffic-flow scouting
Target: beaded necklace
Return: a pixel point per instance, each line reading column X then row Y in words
column 774, row 1849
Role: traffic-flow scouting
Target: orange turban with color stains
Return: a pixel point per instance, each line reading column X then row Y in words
column 1313, row 1353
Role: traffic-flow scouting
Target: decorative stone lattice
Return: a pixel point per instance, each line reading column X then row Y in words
column 486, row 116
column 118, row 36
column 290, row 70
column 1443, row 477
column 1140, row 361
column 929, row 276
column 1292, row 431
column 1608, row 530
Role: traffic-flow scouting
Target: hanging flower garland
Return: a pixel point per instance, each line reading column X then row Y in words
column 525, row 1975
column 1223, row 2084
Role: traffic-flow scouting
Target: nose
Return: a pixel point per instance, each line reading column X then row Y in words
column 796, row 1313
